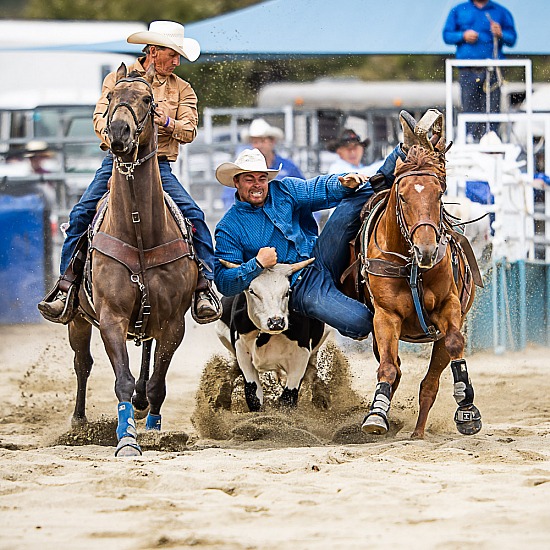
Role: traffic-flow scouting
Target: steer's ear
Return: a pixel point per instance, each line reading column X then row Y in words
column 300, row 265
column 227, row 264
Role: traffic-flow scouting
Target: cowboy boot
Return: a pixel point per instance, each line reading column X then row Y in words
column 55, row 307
column 379, row 183
column 61, row 303
column 206, row 306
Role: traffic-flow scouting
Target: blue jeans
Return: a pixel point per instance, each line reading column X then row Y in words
column 474, row 98
column 388, row 168
column 315, row 293
column 83, row 212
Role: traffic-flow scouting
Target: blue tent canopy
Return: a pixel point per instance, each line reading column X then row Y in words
column 347, row 27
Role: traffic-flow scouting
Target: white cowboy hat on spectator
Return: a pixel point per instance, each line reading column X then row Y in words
column 260, row 128
column 37, row 147
column 168, row 34
column 249, row 160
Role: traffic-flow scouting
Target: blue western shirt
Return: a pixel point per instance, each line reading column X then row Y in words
column 284, row 222
column 467, row 16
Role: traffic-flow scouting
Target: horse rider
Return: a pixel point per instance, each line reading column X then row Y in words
column 272, row 221
column 177, row 119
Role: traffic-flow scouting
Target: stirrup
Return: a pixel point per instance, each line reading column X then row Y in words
column 71, row 305
column 215, row 302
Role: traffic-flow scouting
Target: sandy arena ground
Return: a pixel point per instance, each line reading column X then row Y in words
column 236, row 480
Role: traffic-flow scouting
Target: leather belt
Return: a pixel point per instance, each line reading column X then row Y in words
column 162, row 158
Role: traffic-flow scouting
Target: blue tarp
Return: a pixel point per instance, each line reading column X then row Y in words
column 313, row 27
column 21, row 258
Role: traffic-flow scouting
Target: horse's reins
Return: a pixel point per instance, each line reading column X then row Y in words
column 461, row 223
column 127, row 170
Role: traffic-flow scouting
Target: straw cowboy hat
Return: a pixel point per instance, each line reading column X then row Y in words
column 345, row 138
column 249, row 160
column 37, row 147
column 260, row 128
column 170, row 35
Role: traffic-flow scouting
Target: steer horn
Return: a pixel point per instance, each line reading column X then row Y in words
column 300, row 265
column 229, row 265
column 408, row 124
column 294, row 267
column 416, row 133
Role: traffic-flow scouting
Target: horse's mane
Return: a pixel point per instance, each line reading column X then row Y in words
column 419, row 158
column 133, row 74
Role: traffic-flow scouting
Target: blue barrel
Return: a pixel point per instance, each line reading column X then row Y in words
column 22, row 257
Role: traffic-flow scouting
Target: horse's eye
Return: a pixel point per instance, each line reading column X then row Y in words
column 250, row 291
column 109, row 96
column 402, row 198
column 147, row 100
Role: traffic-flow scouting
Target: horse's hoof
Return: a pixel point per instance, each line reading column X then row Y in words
column 128, row 446
column 375, row 424
column 140, row 414
column 141, row 407
column 468, row 420
column 78, row 422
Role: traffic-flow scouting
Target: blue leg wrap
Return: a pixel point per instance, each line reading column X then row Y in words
column 126, row 423
column 153, row 422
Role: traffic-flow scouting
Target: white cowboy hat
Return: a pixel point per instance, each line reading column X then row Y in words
column 260, row 128
column 37, row 147
column 249, row 160
column 170, row 35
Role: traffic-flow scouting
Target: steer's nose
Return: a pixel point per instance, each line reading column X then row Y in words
column 276, row 323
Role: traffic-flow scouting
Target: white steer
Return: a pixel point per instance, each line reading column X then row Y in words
column 258, row 328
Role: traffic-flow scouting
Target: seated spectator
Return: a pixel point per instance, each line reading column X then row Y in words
column 41, row 157
column 350, row 149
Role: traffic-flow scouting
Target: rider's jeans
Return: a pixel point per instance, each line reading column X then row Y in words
column 315, row 293
column 83, row 212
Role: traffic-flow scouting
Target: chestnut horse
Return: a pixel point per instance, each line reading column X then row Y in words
column 419, row 275
column 143, row 271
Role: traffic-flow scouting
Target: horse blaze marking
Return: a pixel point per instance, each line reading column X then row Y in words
column 419, row 188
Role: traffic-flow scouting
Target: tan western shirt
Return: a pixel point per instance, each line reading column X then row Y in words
column 171, row 91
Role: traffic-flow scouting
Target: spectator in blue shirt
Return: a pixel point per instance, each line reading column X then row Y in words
column 272, row 221
column 479, row 29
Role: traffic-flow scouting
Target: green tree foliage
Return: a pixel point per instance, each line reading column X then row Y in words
column 185, row 11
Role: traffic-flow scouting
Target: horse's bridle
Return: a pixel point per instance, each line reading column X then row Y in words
column 127, row 168
column 409, row 232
